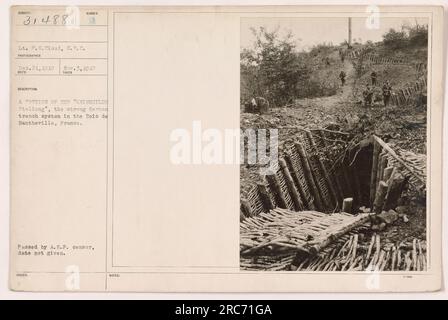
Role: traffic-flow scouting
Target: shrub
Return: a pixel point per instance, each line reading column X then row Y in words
column 418, row 35
column 410, row 36
column 275, row 70
column 395, row 39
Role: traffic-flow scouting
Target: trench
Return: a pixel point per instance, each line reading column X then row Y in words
column 322, row 206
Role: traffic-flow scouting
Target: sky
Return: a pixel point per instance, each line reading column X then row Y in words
column 308, row 32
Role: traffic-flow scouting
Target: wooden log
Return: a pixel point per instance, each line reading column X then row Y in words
column 381, row 163
column 378, row 170
column 376, row 255
column 318, row 244
column 396, row 157
column 399, row 259
column 308, row 204
column 369, row 250
column 298, row 205
column 265, row 198
column 394, row 258
column 376, row 152
column 309, row 176
column 274, row 185
column 347, row 205
column 379, row 197
column 414, row 254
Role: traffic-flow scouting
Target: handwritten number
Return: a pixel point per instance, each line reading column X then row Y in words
column 55, row 19
column 64, row 19
column 46, row 20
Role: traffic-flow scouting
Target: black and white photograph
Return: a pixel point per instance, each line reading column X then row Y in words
column 334, row 138
column 242, row 150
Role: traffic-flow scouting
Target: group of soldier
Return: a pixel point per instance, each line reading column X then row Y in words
column 368, row 92
column 261, row 105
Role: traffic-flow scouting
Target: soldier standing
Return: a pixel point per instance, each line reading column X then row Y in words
column 342, row 76
column 387, row 92
column 368, row 95
column 373, row 76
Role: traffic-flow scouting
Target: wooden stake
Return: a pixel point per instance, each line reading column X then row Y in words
column 309, row 176
column 325, row 172
column 333, row 176
column 295, row 175
column 347, row 205
column 381, row 165
column 376, row 151
column 379, row 197
column 393, row 154
column 298, row 205
column 274, row 185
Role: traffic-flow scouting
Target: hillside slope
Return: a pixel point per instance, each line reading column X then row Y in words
column 404, row 126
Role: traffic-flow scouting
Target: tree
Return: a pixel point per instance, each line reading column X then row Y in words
column 418, row 35
column 395, row 39
column 272, row 68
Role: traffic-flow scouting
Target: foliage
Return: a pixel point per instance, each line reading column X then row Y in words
column 275, row 70
column 321, row 49
column 418, row 35
column 395, row 39
column 409, row 36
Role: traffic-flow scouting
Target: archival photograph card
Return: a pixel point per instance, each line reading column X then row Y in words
column 226, row 149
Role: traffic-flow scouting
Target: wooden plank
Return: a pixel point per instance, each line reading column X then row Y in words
column 376, row 152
